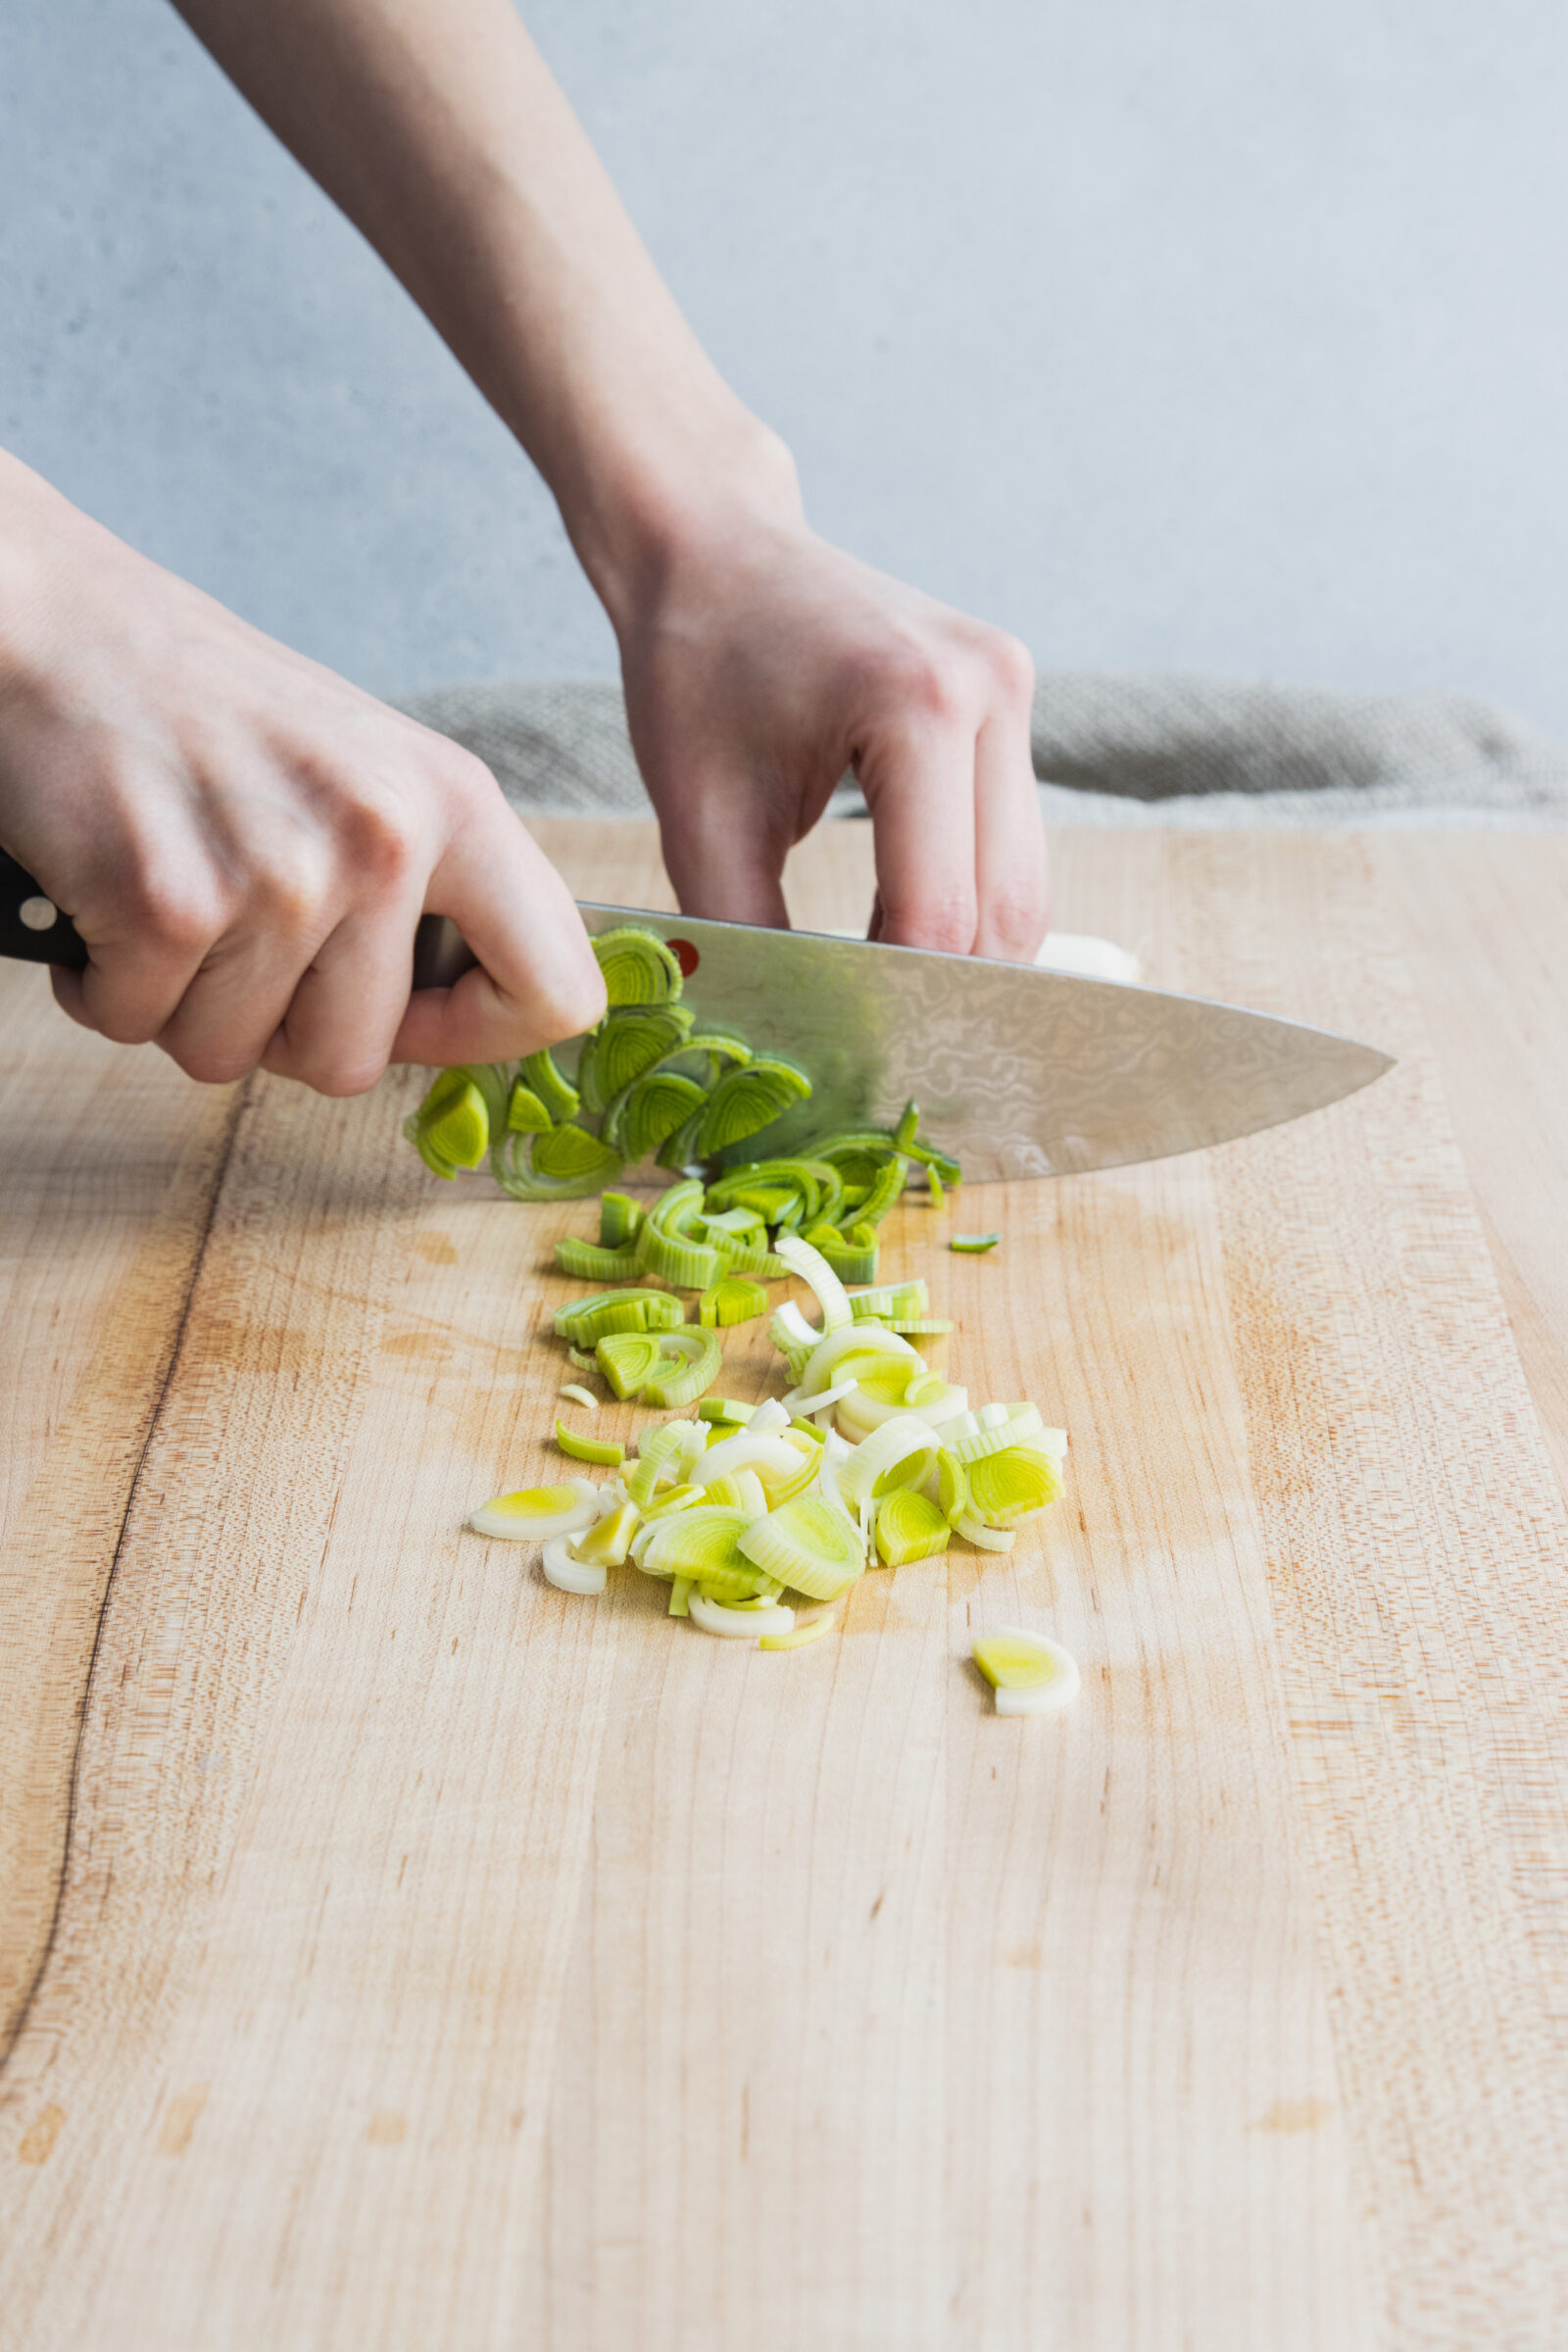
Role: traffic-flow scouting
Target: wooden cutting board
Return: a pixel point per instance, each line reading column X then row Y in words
column 395, row 1952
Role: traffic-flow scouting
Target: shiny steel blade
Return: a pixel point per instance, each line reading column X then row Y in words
column 1017, row 1072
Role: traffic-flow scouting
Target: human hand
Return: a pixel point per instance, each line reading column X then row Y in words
column 245, row 842
column 761, row 665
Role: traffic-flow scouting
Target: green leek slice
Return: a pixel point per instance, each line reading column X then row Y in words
column 909, row 1528
column 742, row 1490
column 952, row 1487
column 638, row 967
column 576, row 1165
column 592, row 1264
column 747, row 1100
column 628, row 1360
column 526, row 1113
column 800, row 1634
column 679, row 1596
column 732, row 1300
column 603, row 1450
column 807, row 1544
column 570, row 1151
column 973, row 1245
column 640, row 1122
column 625, row 1047
column 818, row 1276
column 890, row 1300
column 619, row 1220
column 539, row 1074
column 690, row 1361
column 723, row 1408
column 587, row 1320
column 995, row 1430
column 665, row 1243
column 899, row 1454
column 702, row 1543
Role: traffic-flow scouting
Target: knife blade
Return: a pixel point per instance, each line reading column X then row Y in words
column 1018, row 1072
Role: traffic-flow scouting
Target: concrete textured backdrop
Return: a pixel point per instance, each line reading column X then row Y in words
column 1193, row 336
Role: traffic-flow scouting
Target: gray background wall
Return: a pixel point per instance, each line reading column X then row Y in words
column 1200, row 335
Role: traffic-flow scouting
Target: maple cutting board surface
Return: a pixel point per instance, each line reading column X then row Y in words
column 396, row 1952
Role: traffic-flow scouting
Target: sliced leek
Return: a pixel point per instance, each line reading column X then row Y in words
column 536, row 1513
column 973, row 1245
column 807, row 1544
column 739, row 1625
column 603, row 1450
column 909, row 1528
column 565, row 1572
column 1030, row 1674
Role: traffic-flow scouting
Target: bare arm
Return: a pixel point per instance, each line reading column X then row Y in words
column 759, row 661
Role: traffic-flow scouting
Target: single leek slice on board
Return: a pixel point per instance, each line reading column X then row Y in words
column 591, row 1262
column 909, row 1528
column 638, row 967
column 608, row 1541
column 740, row 1625
column 747, row 1100
column 733, row 1299
column 1030, row 1674
column 625, row 1047
column 973, row 1245
column 587, row 1320
column 566, row 1574
column 579, row 1394
column 536, row 1513
column 526, row 1113
column 807, row 1544
column 621, row 1220
column 539, row 1073
column 1007, row 1488
column 603, row 1450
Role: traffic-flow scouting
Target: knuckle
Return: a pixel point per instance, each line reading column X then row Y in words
column 1016, row 914
column 944, row 919
column 214, row 1064
column 1011, row 668
column 381, row 840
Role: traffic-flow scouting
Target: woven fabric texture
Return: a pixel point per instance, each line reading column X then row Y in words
column 1107, row 750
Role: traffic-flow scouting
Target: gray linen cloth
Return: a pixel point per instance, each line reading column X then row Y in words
column 1107, row 750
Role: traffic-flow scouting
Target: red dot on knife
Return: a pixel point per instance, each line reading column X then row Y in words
column 685, row 956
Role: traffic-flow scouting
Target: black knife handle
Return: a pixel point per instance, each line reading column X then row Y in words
column 33, row 930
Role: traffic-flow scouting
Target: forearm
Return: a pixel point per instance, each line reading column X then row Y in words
column 454, row 151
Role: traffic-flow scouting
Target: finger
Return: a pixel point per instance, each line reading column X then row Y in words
column 723, row 855
column 143, row 956
column 338, row 1030
column 1014, row 903
column 537, row 979
column 919, row 787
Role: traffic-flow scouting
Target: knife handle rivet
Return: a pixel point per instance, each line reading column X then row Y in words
column 685, row 956
column 39, row 914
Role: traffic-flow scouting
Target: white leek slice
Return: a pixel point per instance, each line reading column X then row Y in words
column 984, row 1539
column 812, row 1267
column 738, row 1625
column 566, row 1574
column 580, row 1395
column 741, row 1489
column 802, row 1402
column 806, row 1543
column 536, row 1513
column 869, row 1340
column 907, row 1444
column 1001, row 1426
column 771, row 1454
column 860, row 1413
column 1030, row 1674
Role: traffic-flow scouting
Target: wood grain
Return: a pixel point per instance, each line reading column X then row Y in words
column 440, row 1961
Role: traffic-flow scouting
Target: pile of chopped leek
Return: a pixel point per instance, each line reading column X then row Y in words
column 654, row 1083
column 746, row 1512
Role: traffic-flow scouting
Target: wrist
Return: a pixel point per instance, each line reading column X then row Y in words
column 673, row 498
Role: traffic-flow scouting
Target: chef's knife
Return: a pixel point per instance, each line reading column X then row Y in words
column 1017, row 1072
